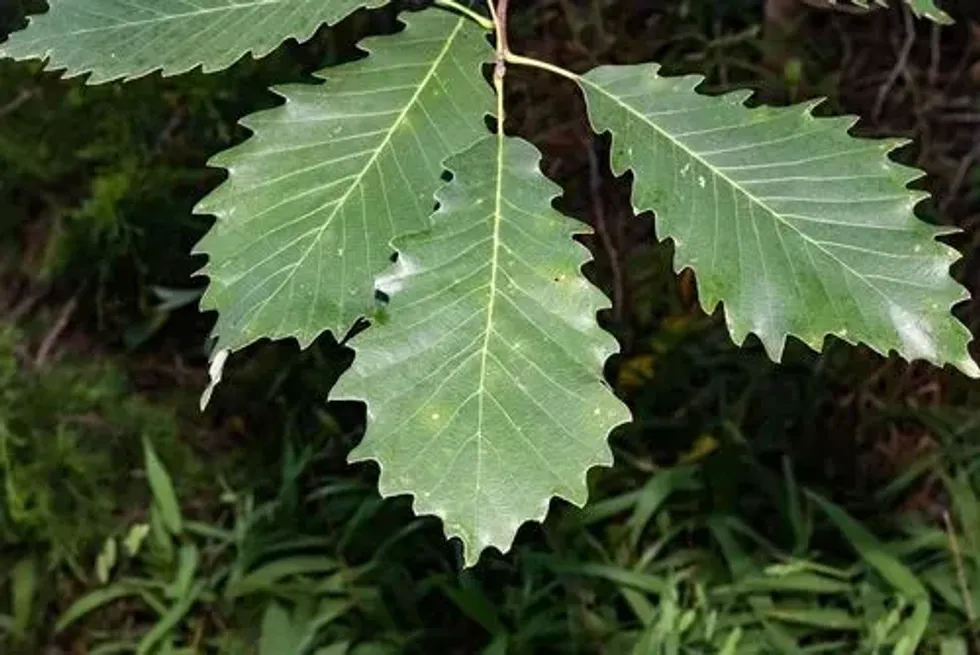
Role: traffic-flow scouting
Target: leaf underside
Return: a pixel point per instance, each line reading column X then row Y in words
column 928, row 9
column 126, row 39
column 921, row 8
column 484, row 388
column 314, row 197
column 796, row 226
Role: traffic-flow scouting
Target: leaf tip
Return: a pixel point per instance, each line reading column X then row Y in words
column 215, row 371
column 968, row 367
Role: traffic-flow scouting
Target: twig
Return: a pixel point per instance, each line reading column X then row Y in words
column 501, row 22
column 599, row 214
column 961, row 118
column 900, row 65
column 954, row 546
column 167, row 135
column 935, row 55
column 14, row 104
column 960, row 177
column 499, row 13
column 44, row 350
column 22, row 308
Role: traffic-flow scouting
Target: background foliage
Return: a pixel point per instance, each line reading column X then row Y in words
column 827, row 504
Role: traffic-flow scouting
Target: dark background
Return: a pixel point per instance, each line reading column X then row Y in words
column 101, row 347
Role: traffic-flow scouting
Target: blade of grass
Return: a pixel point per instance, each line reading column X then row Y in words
column 277, row 635
column 93, row 601
column 655, row 493
column 265, row 577
column 162, row 489
column 873, row 551
column 896, row 574
column 169, row 621
column 819, row 617
column 23, row 588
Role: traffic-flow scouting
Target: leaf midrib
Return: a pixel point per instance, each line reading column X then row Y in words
column 720, row 174
column 488, row 327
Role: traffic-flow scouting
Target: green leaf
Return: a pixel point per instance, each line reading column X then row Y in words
column 169, row 621
column 821, row 617
column 305, row 220
column 928, row 9
column 334, row 649
column 135, row 537
column 188, row 561
column 93, row 601
column 23, row 589
column 162, row 488
column 921, row 8
column 953, row 646
column 797, row 227
column 278, row 634
column 484, row 388
column 105, row 562
column 731, row 642
column 126, row 39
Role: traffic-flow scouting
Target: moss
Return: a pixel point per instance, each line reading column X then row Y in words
column 70, row 435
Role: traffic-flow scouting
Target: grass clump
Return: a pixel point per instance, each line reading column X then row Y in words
column 69, row 436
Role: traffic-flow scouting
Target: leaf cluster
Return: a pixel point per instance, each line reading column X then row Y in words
column 482, row 374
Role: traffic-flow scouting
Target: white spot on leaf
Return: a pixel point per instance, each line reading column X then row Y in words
column 916, row 340
column 394, row 281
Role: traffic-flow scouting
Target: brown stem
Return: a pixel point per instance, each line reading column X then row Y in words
column 52, row 336
column 502, row 46
column 499, row 14
column 602, row 230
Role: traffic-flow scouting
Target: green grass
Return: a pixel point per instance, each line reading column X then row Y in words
column 659, row 566
column 64, row 434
